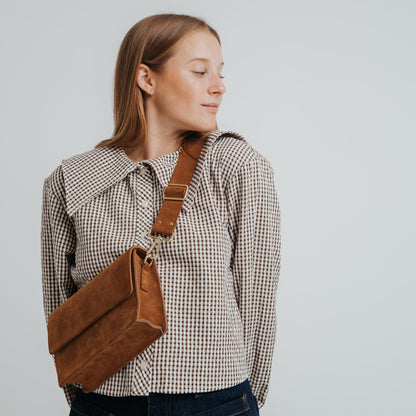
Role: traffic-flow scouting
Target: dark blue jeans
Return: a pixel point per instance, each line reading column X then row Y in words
column 237, row 400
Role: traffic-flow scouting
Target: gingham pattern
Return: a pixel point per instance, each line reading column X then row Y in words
column 219, row 274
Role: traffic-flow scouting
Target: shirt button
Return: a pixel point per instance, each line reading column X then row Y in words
column 142, row 170
column 144, row 203
column 144, row 365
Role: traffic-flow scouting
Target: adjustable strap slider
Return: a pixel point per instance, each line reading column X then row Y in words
column 176, row 194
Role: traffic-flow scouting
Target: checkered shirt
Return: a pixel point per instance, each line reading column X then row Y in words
column 219, row 273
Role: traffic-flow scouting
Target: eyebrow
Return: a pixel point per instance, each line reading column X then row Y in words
column 205, row 60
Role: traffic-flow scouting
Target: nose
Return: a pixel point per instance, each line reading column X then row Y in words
column 217, row 86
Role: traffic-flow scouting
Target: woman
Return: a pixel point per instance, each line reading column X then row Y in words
column 219, row 274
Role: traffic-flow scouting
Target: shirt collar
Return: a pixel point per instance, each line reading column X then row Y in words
column 90, row 173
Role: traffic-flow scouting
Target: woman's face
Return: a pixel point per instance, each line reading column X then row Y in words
column 186, row 85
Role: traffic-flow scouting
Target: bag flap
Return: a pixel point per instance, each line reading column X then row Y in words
column 101, row 294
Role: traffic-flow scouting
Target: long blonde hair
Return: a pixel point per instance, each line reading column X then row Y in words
column 150, row 41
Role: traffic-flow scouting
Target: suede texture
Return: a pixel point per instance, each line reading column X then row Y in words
column 168, row 214
column 118, row 335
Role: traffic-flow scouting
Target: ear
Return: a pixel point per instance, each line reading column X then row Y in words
column 145, row 79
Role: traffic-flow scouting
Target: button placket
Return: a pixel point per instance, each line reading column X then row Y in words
column 145, row 203
column 144, row 222
column 144, row 218
column 144, row 364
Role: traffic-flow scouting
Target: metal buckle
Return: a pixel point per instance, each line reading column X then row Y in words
column 174, row 198
column 158, row 239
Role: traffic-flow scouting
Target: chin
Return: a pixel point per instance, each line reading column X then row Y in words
column 205, row 126
column 210, row 125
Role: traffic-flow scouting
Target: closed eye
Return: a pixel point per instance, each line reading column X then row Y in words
column 204, row 72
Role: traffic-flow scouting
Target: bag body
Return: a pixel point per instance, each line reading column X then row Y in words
column 108, row 322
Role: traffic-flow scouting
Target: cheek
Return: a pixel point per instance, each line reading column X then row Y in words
column 182, row 91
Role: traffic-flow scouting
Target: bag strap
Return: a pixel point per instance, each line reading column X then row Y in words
column 174, row 195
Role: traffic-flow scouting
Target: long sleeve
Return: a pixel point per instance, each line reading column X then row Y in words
column 254, row 224
column 58, row 241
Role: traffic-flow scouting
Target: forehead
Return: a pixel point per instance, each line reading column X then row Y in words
column 199, row 47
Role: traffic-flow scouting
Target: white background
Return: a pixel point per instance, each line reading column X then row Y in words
column 325, row 90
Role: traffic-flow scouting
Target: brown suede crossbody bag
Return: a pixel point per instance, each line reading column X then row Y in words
column 121, row 311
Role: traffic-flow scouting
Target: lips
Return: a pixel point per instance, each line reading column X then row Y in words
column 211, row 105
column 211, row 108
